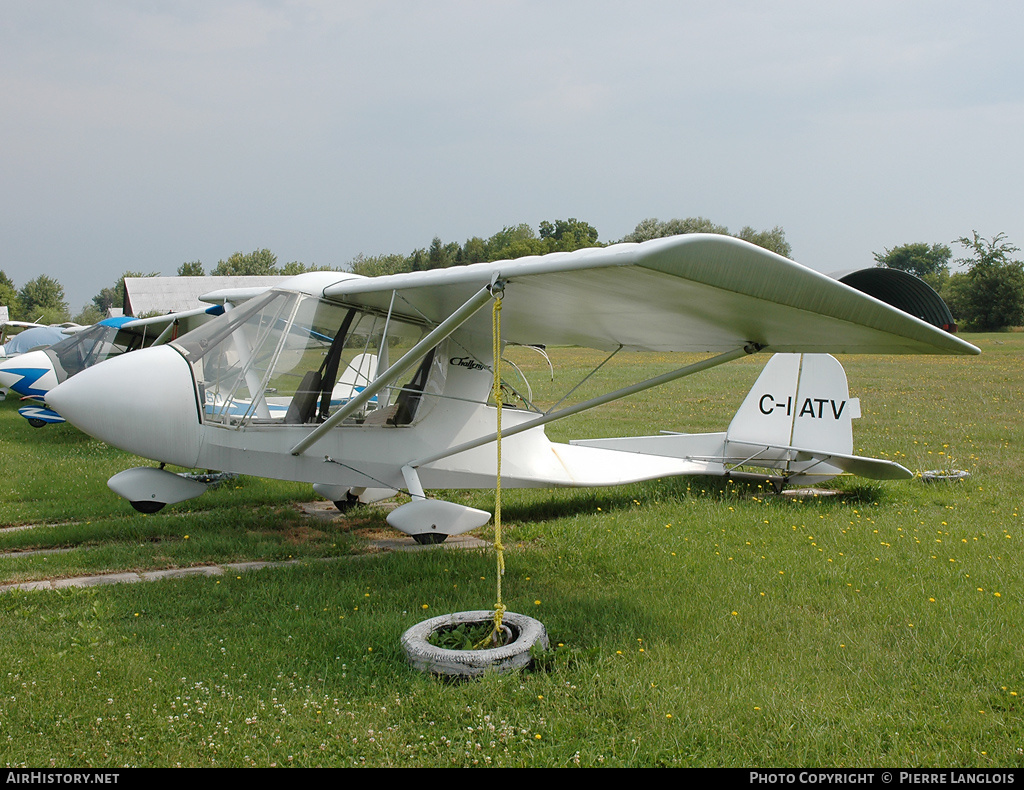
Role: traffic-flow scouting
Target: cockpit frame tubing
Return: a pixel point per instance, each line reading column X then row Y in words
column 408, row 360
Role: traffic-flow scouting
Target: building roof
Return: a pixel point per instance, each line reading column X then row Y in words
column 904, row 291
column 158, row 295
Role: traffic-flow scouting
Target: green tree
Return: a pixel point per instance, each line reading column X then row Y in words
column 191, row 269
column 257, row 263
column 569, row 234
column 43, row 298
column 294, row 267
column 929, row 262
column 9, row 296
column 378, row 265
column 774, row 240
column 990, row 295
column 417, row 261
column 474, row 250
column 512, row 241
column 89, row 315
column 652, row 228
column 518, row 241
column 497, row 246
column 439, row 256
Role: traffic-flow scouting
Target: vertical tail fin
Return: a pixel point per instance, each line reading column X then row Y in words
column 799, row 400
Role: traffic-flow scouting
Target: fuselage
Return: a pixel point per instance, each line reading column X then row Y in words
column 240, row 392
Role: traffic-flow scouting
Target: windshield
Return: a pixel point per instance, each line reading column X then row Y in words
column 91, row 346
column 287, row 358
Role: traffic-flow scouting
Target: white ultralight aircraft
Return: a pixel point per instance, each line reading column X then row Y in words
column 365, row 386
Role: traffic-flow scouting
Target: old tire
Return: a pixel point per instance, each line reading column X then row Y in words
column 944, row 475
column 426, row 657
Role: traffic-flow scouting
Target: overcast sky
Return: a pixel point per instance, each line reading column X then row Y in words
column 140, row 135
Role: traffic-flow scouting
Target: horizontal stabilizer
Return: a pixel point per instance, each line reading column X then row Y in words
column 711, row 456
column 805, row 461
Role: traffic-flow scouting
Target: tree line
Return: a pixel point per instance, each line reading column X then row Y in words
column 987, row 295
column 43, row 299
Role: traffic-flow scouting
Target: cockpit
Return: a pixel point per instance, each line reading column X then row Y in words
column 287, row 358
column 91, row 346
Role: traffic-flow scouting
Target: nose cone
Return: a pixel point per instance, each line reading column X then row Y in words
column 143, row 402
column 28, row 374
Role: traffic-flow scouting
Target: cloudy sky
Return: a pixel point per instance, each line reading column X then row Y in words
column 139, row 135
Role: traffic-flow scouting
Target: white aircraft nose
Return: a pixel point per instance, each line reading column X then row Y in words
column 143, row 402
column 27, row 373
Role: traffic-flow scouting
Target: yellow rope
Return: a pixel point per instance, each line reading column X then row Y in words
column 496, row 332
column 499, row 607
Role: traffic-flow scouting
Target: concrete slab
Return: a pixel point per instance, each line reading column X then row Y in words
column 94, row 581
column 387, row 540
column 408, row 544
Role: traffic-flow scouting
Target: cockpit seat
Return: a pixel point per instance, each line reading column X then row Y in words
column 300, row 410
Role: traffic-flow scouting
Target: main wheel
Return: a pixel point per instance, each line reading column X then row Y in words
column 147, row 506
column 346, row 504
column 429, row 538
column 36, row 423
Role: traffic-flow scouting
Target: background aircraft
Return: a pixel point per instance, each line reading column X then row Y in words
column 35, row 372
column 32, row 337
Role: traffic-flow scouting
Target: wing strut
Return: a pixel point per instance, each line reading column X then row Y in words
column 568, row 411
column 411, row 357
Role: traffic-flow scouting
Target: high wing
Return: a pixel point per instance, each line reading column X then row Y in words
column 161, row 328
column 696, row 292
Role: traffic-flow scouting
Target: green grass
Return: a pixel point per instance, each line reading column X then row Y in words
column 702, row 623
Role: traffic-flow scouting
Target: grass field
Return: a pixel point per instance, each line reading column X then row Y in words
column 697, row 623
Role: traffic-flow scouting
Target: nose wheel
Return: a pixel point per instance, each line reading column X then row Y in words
column 429, row 538
column 146, row 506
